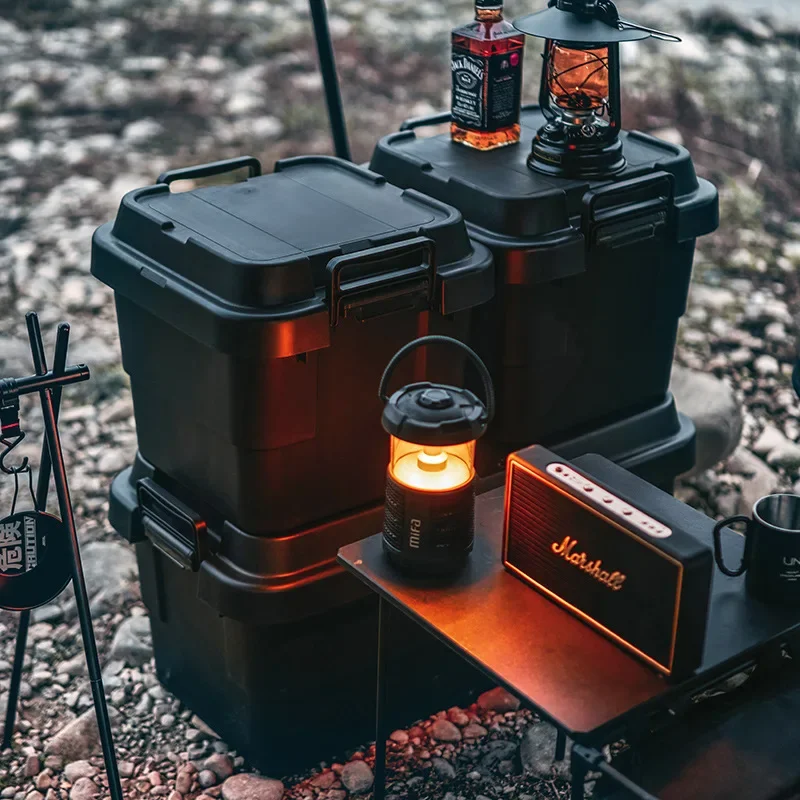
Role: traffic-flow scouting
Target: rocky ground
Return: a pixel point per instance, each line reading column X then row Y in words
column 99, row 96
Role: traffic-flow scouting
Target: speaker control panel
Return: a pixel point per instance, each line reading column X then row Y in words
column 613, row 505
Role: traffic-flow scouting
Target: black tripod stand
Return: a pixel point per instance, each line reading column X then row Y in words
column 49, row 384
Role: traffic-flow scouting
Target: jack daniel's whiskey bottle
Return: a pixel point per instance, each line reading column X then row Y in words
column 487, row 79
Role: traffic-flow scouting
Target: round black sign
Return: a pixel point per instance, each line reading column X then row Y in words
column 35, row 560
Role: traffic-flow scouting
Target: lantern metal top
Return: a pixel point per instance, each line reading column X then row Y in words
column 434, row 414
column 585, row 22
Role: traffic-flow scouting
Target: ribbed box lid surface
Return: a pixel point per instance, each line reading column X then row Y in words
column 266, row 248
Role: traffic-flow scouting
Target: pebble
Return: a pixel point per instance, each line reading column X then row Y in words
column 357, row 777
column 77, row 740
column 474, row 731
column 717, row 415
column 133, row 642
column 32, row 766
column 767, row 365
column 498, row 699
column 251, row 787
column 79, row 769
column 206, row 778
column 537, row 751
column 220, row 764
column 400, row 737
column 443, row 768
column 444, row 731
column 84, row 789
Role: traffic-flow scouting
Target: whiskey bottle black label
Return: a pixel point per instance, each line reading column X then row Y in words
column 486, row 90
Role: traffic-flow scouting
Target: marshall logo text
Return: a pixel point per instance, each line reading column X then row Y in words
column 566, row 549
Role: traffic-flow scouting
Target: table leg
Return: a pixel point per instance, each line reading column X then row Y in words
column 381, row 734
column 578, row 770
column 561, row 745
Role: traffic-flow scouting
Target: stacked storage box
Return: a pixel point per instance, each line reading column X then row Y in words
column 256, row 319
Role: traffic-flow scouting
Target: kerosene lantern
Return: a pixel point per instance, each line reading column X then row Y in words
column 429, row 522
column 580, row 87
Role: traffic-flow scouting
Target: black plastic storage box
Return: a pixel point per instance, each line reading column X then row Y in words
column 256, row 319
column 592, row 275
column 273, row 645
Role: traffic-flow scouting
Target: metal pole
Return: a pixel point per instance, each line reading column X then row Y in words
column 381, row 735
column 42, row 489
column 330, row 79
column 78, row 580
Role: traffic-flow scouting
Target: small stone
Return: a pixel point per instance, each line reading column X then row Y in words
column 84, row 789
column 401, row 737
column 474, row 775
column 206, row 778
column 141, row 131
column 220, row 765
column 767, row 365
column 43, row 781
column 357, row 777
column 133, row 642
column 717, row 415
column 537, row 751
column 79, row 769
column 166, row 721
column 498, row 699
column 183, row 783
column 768, row 440
column 251, row 787
column 174, row 795
column 443, row 768
column 786, row 455
column 34, row 796
column 77, row 740
column 324, row 780
column 444, row 731
column 759, row 478
column 32, row 766
column 458, row 717
column 474, row 731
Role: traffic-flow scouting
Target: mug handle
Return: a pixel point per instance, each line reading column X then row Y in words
column 732, row 573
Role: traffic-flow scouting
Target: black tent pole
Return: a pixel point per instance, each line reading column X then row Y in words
column 330, row 79
column 42, row 489
column 78, row 581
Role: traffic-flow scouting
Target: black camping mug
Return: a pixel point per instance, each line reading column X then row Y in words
column 771, row 555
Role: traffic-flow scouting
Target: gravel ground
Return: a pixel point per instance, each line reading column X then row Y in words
column 98, row 96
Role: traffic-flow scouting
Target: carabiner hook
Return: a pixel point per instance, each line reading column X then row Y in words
column 9, row 427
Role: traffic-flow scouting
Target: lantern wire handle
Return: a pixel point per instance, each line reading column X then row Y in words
column 655, row 34
column 486, row 378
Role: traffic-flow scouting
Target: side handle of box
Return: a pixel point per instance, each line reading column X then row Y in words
column 383, row 279
column 631, row 211
column 172, row 527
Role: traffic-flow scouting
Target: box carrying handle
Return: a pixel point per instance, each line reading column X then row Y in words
column 442, row 117
column 381, row 280
column 214, row 168
column 172, row 527
column 628, row 212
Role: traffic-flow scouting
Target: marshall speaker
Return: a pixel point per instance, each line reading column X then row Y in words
column 632, row 573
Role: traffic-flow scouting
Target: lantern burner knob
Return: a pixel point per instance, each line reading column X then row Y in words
column 435, row 398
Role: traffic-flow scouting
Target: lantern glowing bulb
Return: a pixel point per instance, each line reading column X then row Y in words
column 432, row 469
column 429, row 519
column 578, row 79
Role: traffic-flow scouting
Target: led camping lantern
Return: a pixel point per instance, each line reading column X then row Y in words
column 580, row 88
column 430, row 483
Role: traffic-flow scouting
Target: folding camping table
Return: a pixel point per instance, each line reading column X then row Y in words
column 588, row 688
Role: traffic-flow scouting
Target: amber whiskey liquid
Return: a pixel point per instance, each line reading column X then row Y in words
column 487, row 79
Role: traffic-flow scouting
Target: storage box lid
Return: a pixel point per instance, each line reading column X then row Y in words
column 509, row 205
column 318, row 238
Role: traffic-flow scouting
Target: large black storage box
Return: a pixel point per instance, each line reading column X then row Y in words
column 592, row 276
column 256, row 319
column 274, row 645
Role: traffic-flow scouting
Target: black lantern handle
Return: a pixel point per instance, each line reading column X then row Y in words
column 488, row 387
